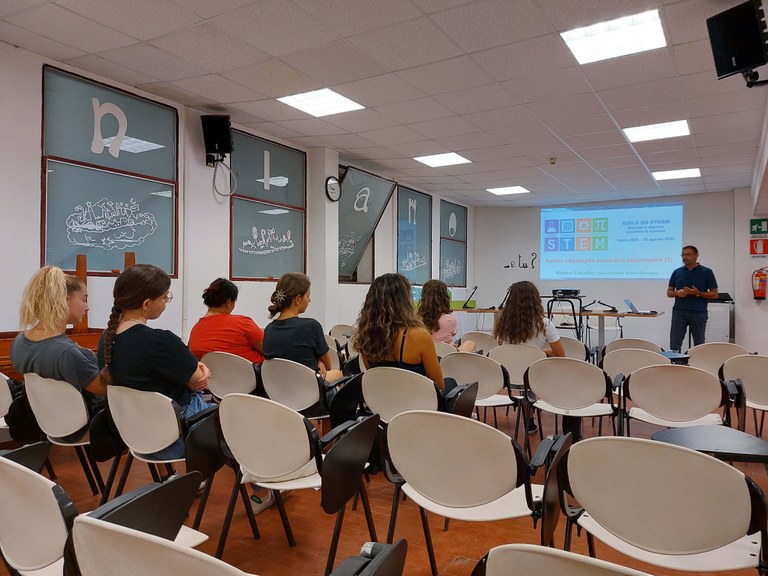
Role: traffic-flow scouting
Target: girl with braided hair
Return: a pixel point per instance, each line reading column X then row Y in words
column 134, row 355
column 52, row 300
column 294, row 338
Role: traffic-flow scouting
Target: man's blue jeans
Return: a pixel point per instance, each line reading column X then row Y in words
column 682, row 319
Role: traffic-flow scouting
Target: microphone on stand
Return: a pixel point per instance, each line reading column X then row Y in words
column 505, row 299
column 466, row 304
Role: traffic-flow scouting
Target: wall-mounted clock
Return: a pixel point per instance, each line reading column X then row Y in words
column 332, row 188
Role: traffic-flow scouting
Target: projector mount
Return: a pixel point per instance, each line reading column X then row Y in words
column 751, row 77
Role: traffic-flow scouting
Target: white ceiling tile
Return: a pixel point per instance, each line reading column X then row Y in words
column 210, row 47
column 394, row 135
column 37, row 43
column 462, row 142
column 376, row 153
column 176, row 94
column 581, row 125
column 567, row 167
column 215, row 87
column 707, row 84
column 751, row 134
column 595, row 139
column 208, row 9
column 687, row 155
column 501, row 153
column 722, row 150
column 446, row 76
column 534, row 56
column 276, row 26
column 10, row 6
column 643, row 94
column 747, row 119
column 549, row 146
column 681, row 24
column 501, row 118
column 421, row 148
column 274, row 78
column 731, row 160
column 153, row 61
column 693, row 57
column 479, row 99
column 568, row 107
column 565, row 82
column 69, row 28
column 379, row 91
column 311, row 127
column 615, row 161
column 407, row 44
column 566, row 14
column 630, row 70
column 143, row 19
column 269, row 109
column 98, row 65
column 361, row 120
column 334, row 63
column 522, row 133
column 723, row 103
column 488, row 23
column 415, row 110
column 615, row 151
column 444, row 127
column 349, row 18
column 345, row 141
column 665, row 144
column 668, row 112
column 275, row 130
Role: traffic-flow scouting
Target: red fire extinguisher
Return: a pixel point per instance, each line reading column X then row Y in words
column 759, row 278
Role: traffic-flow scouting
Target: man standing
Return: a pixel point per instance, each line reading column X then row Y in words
column 691, row 286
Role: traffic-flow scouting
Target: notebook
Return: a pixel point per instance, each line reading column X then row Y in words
column 634, row 310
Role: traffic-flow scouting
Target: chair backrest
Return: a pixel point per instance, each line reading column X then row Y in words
column 659, row 497
column 752, row 370
column 632, row 343
column 466, row 367
column 525, row 559
column 567, row 383
column 447, row 448
column 229, row 373
column 333, row 344
column 106, row 548
column 627, row 360
column 674, row 392
column 574, row 348
column 343, row 332
column 484, row 342
column 516, row 358
column 290, row 383
column 147, row 421
column 58, row 406
column 5, row 395
column 33, row 531
column 390, row 391
column 268, row 439
column 443, row 349
column 710, row 356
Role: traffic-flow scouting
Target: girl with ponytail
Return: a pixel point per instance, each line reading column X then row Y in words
column 52, row 300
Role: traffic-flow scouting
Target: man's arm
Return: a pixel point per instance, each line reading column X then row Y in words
column 710, row 294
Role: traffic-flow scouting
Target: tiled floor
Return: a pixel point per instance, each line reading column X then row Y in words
column 457, row 550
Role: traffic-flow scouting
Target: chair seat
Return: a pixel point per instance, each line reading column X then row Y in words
column 151, row 460
column 511, row 505
column 84, row 440
column 494, row 401
column 642, row 415
column 750, row 404
column 55, row 569
column 188, row 537
column 586, row 412
column 741, row 554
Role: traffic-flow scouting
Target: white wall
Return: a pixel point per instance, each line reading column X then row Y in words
column 504, row 235
column 203, row 217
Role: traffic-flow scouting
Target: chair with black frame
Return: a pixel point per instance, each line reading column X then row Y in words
column 277, row 448
column 443, row 349
column 711, row 355
column 674, row 396
column 752, row 371
column 575, row 348
column 672, row 512
column 5, row 402
column 36, row 516
column 62, row 414
column 294, row 385
column 229, row 373
column 631, row 343
column 337, row 356
column 342, row 333
column 484, row 342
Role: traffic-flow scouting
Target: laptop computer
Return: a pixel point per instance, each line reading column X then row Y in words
column 634, row 310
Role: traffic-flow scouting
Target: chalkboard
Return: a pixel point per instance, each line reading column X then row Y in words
column 453, row 262
column 363, row 200
column 414, row 235
column 268, row 171
column 267, row 241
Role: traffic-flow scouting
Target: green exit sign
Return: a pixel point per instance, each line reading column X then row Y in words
column 758, row 226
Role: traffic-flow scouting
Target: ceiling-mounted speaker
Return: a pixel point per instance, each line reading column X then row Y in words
column 217, row 134
column 738, row 38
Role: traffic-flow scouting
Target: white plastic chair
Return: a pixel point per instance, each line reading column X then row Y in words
column 624, row 361
column 484, row 342
column 335, row 351
column 443, row 349
column 229, row 373
column 664, row 504
column 575, row 348
column 389, row 391
column 5, row 403
column 631, row 343
column 752, row 370
column 712, row 355
column 294, row 385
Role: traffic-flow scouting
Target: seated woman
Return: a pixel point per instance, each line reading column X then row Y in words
column 221, row 331
column 435, row 311
column 522, row 321
column 52, row 300
column 134, row 355
column 294, row 338
column 390, row 332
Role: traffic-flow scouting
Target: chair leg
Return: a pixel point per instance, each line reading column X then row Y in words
column 335, row 540
column 228, row 516
column 284, row 518
column 249, row 512
column 49, row 467
column 110, row 478
column 393, row 514
column 495, row 423
column 95, row 469
column 368, row 515
column 591, row 545
column 428, row 538
column 445, row 524
column 86, row 469
column 124, row 475
column 203, row 502
column 155, row 474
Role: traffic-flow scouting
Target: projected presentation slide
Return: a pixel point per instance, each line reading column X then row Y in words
column 626, row 242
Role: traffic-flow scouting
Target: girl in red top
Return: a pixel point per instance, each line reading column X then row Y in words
column 221, row 331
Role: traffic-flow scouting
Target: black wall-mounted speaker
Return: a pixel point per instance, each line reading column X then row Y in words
column 217, row 134
column 738, row 38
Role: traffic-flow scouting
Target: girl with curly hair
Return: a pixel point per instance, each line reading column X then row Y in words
column 294, row 338
column 435, row 311
column 390, row 333
column 522, row 321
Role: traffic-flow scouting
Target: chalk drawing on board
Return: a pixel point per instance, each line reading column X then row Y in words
column 412, row 261
column 279, row 181
column 347, row 243
column 451, row 268
column 452, row 224
column 266, row 241
column 109, row 225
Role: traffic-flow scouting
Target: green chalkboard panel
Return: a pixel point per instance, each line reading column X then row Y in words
column 363, row 200
column 267, row 240
column 453, row 221
column 101, row 215
column 453, row 262
column 414, row 235
column 268, row 171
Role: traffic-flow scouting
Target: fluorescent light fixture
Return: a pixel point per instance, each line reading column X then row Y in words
column 273, row 211
column 676, row 174
column 615, row 38
column 321, row 103
column 447, row 159
column 134, row 145
column 279, row 181
column 658, row 131
column 508, row 190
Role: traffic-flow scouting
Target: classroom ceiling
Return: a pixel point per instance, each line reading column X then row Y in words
column 489, row 79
